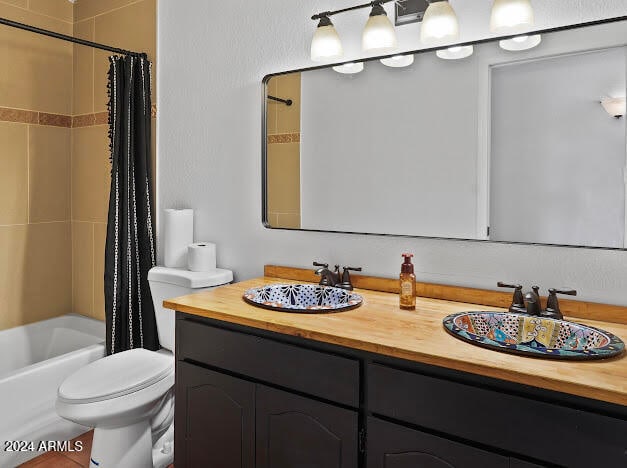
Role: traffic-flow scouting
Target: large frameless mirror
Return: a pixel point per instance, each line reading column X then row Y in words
column 516, row 140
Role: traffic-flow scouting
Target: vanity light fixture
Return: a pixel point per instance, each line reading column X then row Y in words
column 455, row 53
column 398, row 61
column 349, row 68
column 616, row 107
column 379, row 35
column 519, row 43
column 511, row 16
column 439, row 24
column 326, row 43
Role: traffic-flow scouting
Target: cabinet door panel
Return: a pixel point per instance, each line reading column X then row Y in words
column 395, row 446
column 296, row 432
column 214, row 419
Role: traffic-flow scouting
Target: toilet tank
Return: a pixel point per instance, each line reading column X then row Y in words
column 167, row 283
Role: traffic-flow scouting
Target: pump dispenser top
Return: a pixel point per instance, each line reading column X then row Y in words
column 407, row 266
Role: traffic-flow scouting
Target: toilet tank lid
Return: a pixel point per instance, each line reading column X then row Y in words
column 190, row 279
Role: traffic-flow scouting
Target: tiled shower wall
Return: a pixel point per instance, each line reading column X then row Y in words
column 35, row 151
column 54, row 167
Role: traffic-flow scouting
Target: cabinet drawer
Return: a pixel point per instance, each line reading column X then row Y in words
column 316, row 373
column 540, row 430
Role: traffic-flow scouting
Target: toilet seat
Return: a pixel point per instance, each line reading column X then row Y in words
column 115, row 376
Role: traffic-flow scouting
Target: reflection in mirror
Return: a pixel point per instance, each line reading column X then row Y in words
column 512, row 140
column 283, row 151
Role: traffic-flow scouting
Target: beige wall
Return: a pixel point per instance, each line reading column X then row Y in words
column 125, row 24
column 54, row 157
column 283, row 128
column 35, row 228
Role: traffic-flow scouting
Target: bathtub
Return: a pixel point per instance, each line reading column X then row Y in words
column 34, row 360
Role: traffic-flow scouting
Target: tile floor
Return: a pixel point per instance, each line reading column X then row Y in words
column 66, row 459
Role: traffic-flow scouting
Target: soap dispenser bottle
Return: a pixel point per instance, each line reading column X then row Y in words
column 407, row 284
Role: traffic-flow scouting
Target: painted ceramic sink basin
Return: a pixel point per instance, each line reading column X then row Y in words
column 303, row 298
column 533, row 336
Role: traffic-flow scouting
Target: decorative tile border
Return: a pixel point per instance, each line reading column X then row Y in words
column 283, row 138
column 89, row 120
column 55, row 120
column 18, row 115
column 8, row 114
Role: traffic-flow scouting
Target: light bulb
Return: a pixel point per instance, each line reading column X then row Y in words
column 439, row 24
column 379, row 35
column 615, row 107
column 455, row 53
column 349, row 68
column 518, row 43
column 326, row 43
column 398, row 61
column 511, row 16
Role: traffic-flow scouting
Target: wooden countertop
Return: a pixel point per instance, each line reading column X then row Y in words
column 380, row 326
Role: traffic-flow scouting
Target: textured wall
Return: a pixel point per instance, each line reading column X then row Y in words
column 212, row 60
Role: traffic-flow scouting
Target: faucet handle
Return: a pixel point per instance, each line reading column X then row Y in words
column 518, row 301
column 346, row 278
column 552, row 304
column 323, row 265
column 352, row 269
column 501, row 284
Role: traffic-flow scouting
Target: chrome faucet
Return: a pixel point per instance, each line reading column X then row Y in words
column 333, row 278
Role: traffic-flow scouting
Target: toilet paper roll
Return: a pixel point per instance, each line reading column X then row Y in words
column 178, row 233
column 201, row 256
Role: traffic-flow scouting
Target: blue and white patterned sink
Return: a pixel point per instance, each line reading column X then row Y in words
column 533, row 336
column 302, row 298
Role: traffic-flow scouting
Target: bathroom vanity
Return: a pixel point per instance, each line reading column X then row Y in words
column 380, row 387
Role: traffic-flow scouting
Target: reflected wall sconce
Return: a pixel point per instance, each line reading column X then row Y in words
column 455, row 53
column 518, row 43
column 349, row 68
column 615, row 107
column 398, row 61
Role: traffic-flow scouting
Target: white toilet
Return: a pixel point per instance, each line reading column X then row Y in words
column 128, row 397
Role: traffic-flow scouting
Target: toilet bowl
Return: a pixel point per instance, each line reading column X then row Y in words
column 128, row 397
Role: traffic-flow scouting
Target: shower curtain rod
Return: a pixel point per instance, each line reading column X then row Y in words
column 63, row 37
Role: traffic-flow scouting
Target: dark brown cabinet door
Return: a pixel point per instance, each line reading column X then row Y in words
column 215, row 419
column 296, row 432
column 394, row 446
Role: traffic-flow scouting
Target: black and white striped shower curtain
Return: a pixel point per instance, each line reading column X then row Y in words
column 130, row 247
